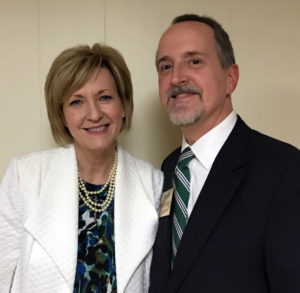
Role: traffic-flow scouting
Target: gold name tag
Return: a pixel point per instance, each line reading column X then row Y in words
column 165, row 205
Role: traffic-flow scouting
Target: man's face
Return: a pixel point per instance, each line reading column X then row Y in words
column 193, row 86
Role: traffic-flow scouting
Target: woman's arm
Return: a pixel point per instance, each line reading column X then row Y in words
column 10, row 226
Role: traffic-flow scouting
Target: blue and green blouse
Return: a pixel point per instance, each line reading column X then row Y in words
column 96, row 266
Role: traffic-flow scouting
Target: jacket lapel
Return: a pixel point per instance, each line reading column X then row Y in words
column 54, row 221
column 221, row 185
column 135, row 218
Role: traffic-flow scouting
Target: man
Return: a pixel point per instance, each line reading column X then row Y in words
column 230, row 211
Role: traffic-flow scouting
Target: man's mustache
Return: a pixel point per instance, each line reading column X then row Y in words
column 185, row 89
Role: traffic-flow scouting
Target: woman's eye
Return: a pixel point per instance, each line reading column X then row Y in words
column 105, row 98
column 75, row 102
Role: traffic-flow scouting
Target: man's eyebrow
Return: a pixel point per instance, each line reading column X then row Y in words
column 186, row 54
column 161, row 59
column 193, row 53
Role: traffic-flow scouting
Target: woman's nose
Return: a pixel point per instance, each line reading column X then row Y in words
column 94, row 112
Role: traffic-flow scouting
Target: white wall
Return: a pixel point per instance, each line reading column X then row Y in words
column 264, row 34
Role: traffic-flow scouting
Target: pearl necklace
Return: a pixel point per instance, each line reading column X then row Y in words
column 85, row 194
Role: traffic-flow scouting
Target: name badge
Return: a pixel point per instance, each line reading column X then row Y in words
column 165, row 205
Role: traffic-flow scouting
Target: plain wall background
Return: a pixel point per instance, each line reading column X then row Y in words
column 264, row 33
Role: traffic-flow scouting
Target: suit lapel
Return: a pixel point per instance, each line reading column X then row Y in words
column 221, row 185
column 54, row 221
column 135, row 217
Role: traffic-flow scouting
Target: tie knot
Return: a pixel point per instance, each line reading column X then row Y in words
column 186, row 156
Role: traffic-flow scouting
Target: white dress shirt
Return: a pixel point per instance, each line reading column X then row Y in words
column 206, row 148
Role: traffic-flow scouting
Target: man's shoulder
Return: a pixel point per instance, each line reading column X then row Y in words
column 260, row 147
column 260, row 142
column 267, row 147
column 172, row 158
column 168, row 167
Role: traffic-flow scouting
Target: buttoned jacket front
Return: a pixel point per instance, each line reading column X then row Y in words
column 39, row 222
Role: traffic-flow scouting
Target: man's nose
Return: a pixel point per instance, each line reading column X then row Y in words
column 179, row 76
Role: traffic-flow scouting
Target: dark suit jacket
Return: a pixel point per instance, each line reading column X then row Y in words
column 244, row 232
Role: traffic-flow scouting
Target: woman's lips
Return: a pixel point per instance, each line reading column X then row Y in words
column 97, row 129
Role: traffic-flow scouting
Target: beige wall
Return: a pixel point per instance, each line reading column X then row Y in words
column 32, row 32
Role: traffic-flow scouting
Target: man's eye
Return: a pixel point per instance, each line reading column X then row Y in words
column 75, row 102
column 165, row 67
column 195, row 61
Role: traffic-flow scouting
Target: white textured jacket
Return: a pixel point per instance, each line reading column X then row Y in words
column 39, row 222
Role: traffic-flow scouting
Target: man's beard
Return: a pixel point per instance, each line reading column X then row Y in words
column 184, row 117
column 177, row 112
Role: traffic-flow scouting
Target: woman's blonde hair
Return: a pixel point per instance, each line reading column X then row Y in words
column 71, row 70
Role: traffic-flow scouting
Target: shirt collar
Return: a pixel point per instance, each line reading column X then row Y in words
column 208, row 146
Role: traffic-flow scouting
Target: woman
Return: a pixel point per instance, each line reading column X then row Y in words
column 81, row 217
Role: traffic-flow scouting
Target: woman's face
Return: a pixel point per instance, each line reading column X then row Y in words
column 94, row 113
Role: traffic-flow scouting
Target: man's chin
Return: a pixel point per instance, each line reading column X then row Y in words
column 184, row 119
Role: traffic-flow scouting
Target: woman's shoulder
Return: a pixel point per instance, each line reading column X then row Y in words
column 141, row 172
column 129, row 160
column 36, row 155
column 35, row 159
column 139, row 168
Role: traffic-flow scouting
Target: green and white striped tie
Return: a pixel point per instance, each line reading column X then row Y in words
column 181, row 183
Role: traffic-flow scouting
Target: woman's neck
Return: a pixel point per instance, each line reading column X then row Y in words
column 94, row 167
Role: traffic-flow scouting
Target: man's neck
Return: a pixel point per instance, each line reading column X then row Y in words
column 193, row 132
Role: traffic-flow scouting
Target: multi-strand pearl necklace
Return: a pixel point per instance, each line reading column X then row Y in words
column 85, row 194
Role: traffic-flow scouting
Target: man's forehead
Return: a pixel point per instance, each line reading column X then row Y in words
column 185, row 34
column 184, row 37
column 188, row 27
